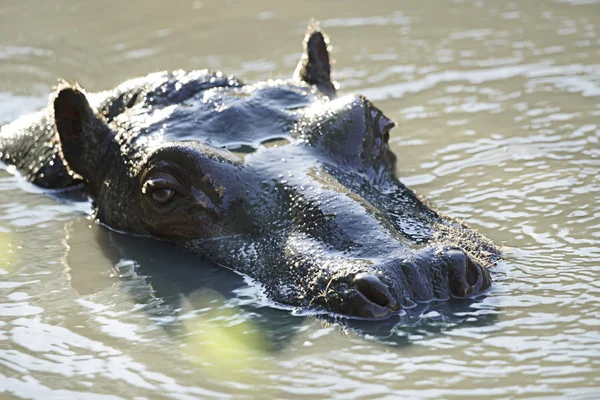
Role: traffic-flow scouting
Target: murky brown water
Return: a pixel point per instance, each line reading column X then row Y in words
column 497, row 106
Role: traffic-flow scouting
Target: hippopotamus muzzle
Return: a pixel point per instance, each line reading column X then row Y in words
column 399, row 284
column 379, row 290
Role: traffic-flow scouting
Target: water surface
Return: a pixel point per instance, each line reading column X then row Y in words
column 497, row 109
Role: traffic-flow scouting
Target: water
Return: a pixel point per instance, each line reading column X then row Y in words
column 497, row 109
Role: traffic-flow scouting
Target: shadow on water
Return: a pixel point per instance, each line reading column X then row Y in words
column 171, row 284
column 424, row 321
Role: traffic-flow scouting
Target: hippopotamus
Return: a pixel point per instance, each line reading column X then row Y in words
column 282, row 181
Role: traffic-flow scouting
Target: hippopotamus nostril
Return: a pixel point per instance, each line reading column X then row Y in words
column 374, row 290
column 466, row 276
column 473, row 272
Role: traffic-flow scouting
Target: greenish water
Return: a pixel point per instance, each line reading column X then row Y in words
column 497, row 109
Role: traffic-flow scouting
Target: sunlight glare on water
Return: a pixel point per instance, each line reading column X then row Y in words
column 497, row 109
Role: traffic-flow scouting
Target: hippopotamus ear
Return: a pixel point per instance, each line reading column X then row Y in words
column 314, row 66
column 82, row 133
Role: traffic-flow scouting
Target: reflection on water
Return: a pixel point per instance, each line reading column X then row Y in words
column 497, row 115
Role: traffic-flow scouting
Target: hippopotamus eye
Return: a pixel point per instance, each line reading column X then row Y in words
column 162, row 196
column 162, row 187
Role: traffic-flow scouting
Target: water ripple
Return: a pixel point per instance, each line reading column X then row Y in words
column 497, row 113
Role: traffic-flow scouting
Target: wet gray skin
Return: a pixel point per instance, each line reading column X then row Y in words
column 280, row 180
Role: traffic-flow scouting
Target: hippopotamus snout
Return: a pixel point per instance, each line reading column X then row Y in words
column 379, row 291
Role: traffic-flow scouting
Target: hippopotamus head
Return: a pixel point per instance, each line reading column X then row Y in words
column 280, row 180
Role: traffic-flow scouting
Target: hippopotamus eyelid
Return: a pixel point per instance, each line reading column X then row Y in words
column 164, row 188
column 162, row 181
